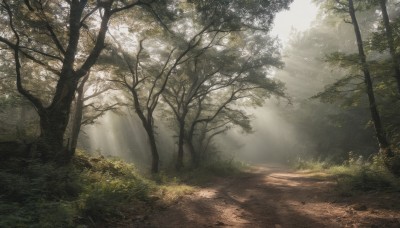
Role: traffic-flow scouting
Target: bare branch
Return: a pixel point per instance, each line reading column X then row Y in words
column 35, row 101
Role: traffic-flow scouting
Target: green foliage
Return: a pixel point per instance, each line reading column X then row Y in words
column 108, row 198
column 357, row 174
column 311, row 165
column 90, row 190
column 208, row 170
column 224, row 167
column 392, row 163
column 38, row 194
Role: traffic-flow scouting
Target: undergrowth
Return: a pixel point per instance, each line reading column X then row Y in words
column 88, row 192
column 202, row 174
column 356, row 174
column 91, row 191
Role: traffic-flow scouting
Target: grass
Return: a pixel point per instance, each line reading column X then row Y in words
column 356, row 175
column 91, row 191
column 203, row 174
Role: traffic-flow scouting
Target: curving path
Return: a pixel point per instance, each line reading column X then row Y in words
column 274, row 196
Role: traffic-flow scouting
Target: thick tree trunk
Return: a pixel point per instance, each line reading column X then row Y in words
column 390, row 40
column 376, row 119
column 54, row 120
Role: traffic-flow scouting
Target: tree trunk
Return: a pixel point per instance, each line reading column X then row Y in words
column 376, row 119
column 193, row 153
column 154, row 152
column 21, row 124
column 390, row 40
column 179, row 162
column 54, row 120
column 78, row 115
column 51, row 139
column 147, row 123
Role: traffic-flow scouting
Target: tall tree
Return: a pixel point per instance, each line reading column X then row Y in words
column 143, row 73
column 196, row 28
column 214, row 83
column 390, row 42
column 91, row 103
column 348, row 8
column 37, row 34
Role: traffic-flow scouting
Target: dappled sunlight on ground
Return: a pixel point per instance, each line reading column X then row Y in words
column 273, row 196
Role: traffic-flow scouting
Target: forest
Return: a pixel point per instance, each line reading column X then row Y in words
column 184, row 113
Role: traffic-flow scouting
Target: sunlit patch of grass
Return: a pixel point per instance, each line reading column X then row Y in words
column 89, row 191
column 363, row 178
column 202, row 174
column 170, row 193
column 173, row 185
column 311, row 165
column 355, row 175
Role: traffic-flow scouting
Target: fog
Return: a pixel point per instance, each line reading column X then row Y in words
column 123, row 136
column 274, row 138
column 284, row 130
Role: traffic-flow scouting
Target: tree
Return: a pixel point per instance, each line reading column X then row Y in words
column 207, row 88
column 152, row 77
column 40, row 38
column 390, row 42
column 191, row 35
column 90, row 105
column 360, row 59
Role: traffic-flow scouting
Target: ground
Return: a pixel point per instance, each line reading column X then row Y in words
column 275, row 196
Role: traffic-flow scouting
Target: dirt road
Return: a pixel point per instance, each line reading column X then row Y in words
column 273, row 196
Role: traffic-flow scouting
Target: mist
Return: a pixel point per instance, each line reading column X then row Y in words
column 283, row 130
column 304, row 123
column 200, row 113
column 123, row 136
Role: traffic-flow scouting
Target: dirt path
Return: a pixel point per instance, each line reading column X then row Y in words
column 274, row 196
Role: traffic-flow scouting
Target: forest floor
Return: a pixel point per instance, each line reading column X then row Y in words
column 275, row 196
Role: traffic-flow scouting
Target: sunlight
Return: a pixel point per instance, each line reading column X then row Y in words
column 298, row 18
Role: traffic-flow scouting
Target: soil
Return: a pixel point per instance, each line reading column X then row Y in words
column 275, row 196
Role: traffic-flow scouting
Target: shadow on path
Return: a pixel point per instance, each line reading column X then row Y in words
column 273, row 196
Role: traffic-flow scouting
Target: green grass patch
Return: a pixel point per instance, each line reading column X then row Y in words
column 355, row 175
column 202, row 174
column 89, row 191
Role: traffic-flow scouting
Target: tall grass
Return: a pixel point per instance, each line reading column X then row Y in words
column 87, row 192
column 91, row 191
column 356, row 174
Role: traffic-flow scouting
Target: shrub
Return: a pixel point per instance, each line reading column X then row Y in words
column 90, row 190
column 106, row 198
column 357, row 174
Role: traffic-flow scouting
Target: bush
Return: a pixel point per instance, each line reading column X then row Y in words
column 356, row 174
column 311, row 165
column 90, row 190
column 107, row 197
column 202, row 174
column 37, row 195
column 224, row 167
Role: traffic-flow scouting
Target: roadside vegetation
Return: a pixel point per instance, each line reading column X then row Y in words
column 91, row 191
column 356, row 174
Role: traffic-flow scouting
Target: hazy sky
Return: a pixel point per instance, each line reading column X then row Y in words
column 299, row 17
